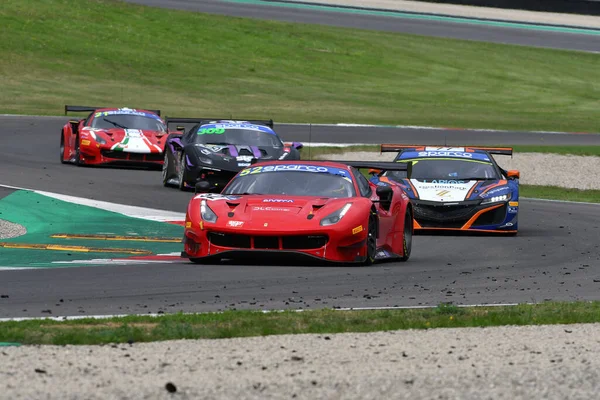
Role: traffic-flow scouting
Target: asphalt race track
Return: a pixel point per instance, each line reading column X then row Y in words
column 554, row 256
column 393, row 24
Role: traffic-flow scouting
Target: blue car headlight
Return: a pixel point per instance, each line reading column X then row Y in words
column 205, row 160
column 497, row 199
column 336, row 216
column 207, row 214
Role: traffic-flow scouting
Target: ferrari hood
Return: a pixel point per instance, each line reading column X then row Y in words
column 127, row 140
column 271, row 207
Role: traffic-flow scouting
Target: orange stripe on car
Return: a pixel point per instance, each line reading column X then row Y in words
column 477, row 214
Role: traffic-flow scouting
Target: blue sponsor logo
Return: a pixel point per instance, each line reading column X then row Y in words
column 296, row 168
column 239, row 125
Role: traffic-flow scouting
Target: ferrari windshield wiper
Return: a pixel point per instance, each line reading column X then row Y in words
column 242, row 194
column 116, row 124
column 220, row 143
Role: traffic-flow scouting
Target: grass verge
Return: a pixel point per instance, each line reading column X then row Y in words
column 105, row 52
column 559, row 193
column 253, row 323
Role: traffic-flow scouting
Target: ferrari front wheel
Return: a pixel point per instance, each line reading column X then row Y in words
column 371, row 244
column 407, row 235
column 62, row 148
column 78, row 160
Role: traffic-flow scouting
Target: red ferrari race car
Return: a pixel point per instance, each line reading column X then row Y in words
column 316, row 209
column 113, row 136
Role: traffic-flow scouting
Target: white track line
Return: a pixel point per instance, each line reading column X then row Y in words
column 437, row 128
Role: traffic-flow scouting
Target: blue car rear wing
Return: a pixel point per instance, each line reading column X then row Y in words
column 396, row 148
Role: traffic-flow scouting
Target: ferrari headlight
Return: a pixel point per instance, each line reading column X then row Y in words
column 496, row 199
column 99, row 139
column 207, row 214
column 336, row 216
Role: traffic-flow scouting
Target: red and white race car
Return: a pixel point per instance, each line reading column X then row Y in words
column 123, row 136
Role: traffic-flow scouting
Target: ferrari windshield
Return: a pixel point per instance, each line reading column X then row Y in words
column 225, row 136
column 331, row 182
column 432, row 168
column 129, row 121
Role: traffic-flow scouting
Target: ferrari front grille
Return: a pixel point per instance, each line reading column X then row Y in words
column 136, row 157
column 229, row 240
column 266, row 242
column 304, row 241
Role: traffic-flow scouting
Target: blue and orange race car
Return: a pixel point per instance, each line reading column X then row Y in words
column 456, row 188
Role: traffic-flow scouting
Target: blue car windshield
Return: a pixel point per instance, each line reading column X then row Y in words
column 128, row 121
column 292, row 183
column 431, row 168
column 249, row 137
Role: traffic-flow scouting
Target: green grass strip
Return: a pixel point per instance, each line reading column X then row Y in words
column 231, row 324
column 105, row 52
column 559, row 193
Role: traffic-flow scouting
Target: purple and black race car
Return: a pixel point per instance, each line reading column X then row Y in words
column 213, row 151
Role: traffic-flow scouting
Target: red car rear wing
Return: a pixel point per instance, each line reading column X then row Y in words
column 380, row 165
column 174, row 120
column 395, row 148
column 92, row 109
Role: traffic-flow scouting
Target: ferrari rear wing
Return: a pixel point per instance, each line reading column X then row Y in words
column 379, row 165
column 174, row 120
column 395, row 148
column 69, row 108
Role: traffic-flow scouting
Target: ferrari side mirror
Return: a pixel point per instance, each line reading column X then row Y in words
column 385, row 194
column 513, row 174
column 202, row 187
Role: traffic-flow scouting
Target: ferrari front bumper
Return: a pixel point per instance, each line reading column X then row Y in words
column 327, row 245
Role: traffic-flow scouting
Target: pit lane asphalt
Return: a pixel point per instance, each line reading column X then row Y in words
column 555, row 256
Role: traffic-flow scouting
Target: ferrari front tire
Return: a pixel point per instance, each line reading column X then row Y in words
column 407, row 235
column 62, row 148
column 78, row 160
column 371, row 245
